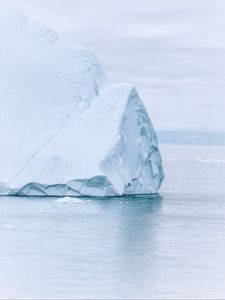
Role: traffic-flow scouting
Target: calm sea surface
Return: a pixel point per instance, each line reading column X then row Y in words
column 170, row 245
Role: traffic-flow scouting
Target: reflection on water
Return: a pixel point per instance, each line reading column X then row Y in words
column 169, row 246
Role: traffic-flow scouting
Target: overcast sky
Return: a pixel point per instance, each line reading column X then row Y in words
column 172, row 50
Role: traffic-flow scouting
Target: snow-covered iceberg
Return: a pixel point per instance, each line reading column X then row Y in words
column 64, row 129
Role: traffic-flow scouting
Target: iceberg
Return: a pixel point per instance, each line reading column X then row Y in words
column 65, row 130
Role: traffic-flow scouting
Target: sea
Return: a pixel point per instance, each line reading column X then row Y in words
column 165, row 246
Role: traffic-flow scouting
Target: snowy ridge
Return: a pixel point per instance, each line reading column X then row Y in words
column 65, row 130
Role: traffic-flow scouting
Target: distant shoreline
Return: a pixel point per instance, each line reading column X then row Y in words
column 190, row 137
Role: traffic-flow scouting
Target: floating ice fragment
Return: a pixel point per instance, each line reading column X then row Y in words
column 8, row 226
column 70, row 200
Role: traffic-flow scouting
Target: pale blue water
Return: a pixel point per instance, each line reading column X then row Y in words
column 163, row 246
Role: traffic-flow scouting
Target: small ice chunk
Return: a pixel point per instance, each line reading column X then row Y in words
column 8, row 226
column 70, row 200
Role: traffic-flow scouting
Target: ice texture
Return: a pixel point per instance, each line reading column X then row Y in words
column 64, row 129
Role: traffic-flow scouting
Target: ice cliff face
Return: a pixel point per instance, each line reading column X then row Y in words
column 64, row 129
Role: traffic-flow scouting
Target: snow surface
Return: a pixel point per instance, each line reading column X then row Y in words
column 65, row 130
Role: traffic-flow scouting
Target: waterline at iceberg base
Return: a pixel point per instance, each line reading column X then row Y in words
column 65, row 130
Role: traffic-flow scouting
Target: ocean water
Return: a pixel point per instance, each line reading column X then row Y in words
column 170, row 245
